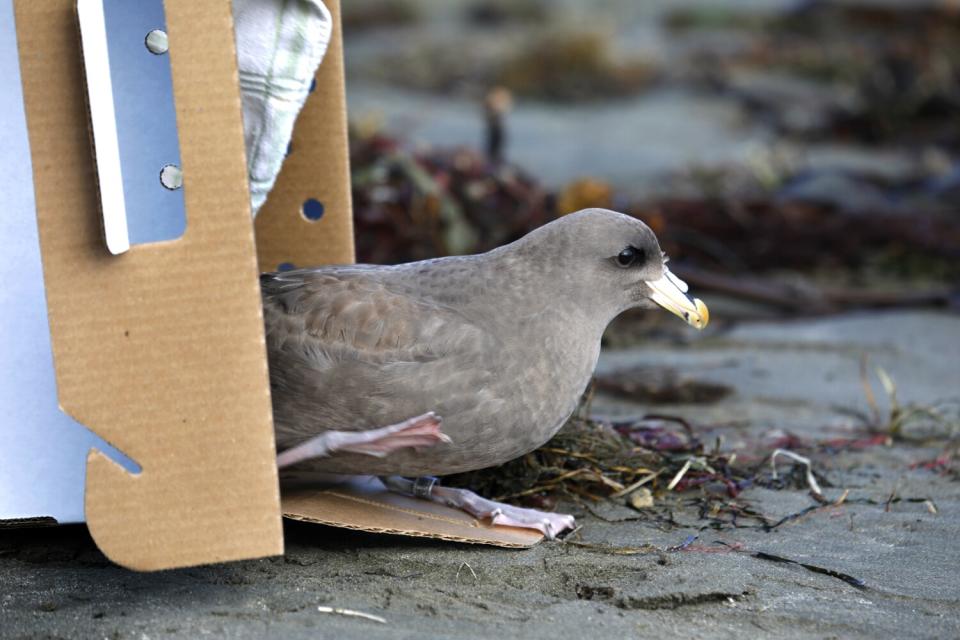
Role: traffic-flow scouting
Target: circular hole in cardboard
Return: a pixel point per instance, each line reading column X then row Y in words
column 171, row 177
column 157, row 42
column 312, row 209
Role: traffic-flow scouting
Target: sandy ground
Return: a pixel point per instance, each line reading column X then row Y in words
column 797, row 376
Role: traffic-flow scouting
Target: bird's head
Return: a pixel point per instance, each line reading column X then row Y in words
column 614, row 261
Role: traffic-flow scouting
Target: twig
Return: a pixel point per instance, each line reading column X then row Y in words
column 636, row 485
column 677, row 478
column 843, row 498
column 350, row 613
column 814, row 487
column 893, row 495
column 476, row 580
column 613, row 484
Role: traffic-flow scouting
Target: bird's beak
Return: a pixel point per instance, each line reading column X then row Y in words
column 670, row 292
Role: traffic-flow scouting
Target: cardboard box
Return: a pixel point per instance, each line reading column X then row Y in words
column 160, row 350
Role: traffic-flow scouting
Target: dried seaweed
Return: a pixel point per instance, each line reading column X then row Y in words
column 431, row 202
column 412, row 206
column 662, row 461
column 856, row 582
column 590, row 462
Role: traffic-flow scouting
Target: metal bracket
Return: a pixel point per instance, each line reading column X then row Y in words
column 132, row 121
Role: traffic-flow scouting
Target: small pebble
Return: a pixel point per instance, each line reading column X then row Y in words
column 641, row 499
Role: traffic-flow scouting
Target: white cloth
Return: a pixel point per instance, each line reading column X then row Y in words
column 280, row 44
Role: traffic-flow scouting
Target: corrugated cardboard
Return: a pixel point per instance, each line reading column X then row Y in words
column 160, row 351
column 366, row 505
column 317, row 167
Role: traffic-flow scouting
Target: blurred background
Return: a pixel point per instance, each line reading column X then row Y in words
column 794, row 157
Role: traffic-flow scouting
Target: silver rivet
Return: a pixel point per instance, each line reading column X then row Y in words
column 157, row 42
column 171, row 177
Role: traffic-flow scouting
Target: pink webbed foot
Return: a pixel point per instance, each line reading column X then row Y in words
column 549, row 524
column 420, row 432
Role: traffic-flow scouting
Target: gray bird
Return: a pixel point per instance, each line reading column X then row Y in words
column 364, row 359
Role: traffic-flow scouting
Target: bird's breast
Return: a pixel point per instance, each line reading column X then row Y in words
column 544, row 377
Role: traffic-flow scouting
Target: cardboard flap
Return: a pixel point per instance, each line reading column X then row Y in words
column 316, row 169
column 160, row 351
column 366, row 505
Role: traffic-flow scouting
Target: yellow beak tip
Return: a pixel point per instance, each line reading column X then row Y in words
column 704, row 314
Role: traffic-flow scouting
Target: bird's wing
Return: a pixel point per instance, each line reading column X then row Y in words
column 356, row 313
column 352, row 350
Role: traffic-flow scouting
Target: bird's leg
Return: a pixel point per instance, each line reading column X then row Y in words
column 547, row 523
column 422, row 431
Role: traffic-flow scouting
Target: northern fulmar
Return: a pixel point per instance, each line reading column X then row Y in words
column 365, row 359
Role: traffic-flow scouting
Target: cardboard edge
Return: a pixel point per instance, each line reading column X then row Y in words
column 406, row 532
column 103, row 472
column 366, row 505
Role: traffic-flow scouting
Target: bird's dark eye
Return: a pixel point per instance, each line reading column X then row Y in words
column 629, row 257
